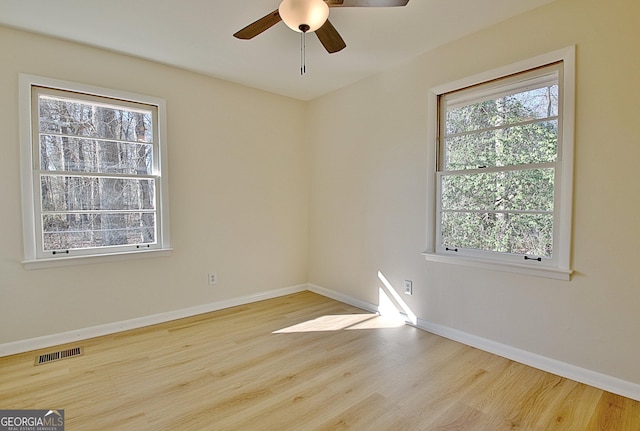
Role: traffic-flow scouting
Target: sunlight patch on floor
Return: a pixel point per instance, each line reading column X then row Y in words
column 342, row 322
column 393, row 313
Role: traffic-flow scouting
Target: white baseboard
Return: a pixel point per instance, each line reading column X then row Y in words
column 27, row 345
column 563, row 369
column 342, row 298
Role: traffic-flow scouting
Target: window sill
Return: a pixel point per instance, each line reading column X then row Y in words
column 546, row 272
column 82, row 260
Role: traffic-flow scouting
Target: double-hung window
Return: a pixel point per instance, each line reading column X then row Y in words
column 503, row 171
column 93, row 163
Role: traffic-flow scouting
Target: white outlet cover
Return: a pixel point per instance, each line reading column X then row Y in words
column 408, row 287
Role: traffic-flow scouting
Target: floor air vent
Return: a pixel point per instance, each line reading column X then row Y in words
column 56, row 356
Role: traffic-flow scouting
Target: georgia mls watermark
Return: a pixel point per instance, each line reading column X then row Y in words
column 31, row 420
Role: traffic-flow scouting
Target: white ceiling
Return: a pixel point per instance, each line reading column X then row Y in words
column 197, row 35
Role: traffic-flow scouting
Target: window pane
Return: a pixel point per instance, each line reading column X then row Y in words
column 87, row 230
column 522, row 190
column 70, row 193
column 539, row 103
column 62, row 153
column 517, row 145
column 81, row 118
column 526, row 234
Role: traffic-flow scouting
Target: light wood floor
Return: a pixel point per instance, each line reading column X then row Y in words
column 301, row 362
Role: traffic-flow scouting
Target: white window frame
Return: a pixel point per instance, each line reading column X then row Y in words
column 559, row 266
column 34, row 258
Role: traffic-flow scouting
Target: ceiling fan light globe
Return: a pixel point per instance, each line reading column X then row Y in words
column 309, row 15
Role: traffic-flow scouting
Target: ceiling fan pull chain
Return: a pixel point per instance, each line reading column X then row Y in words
column 303, row 54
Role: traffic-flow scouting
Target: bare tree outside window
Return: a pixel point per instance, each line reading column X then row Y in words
column 96, row 173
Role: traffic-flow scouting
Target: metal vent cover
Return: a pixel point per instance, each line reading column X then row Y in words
column 56, row 356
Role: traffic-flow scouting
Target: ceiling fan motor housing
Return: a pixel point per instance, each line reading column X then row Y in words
column 304, row 15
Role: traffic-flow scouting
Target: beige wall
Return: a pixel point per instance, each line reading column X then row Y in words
column 368, row 184
column 238, row 196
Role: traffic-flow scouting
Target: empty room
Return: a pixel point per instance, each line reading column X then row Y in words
column 320, row 215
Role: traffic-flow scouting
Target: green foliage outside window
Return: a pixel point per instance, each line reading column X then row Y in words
column 498, row 172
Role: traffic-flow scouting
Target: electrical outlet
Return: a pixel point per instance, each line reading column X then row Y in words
column 213, row 278
column 408, row 287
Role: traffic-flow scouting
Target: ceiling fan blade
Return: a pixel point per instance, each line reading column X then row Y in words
column 366, row 3
column 330, row 38
column 257, row 27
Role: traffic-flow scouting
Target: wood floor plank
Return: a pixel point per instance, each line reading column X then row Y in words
column 614, row 412
column 574, row 411
column 301, row 362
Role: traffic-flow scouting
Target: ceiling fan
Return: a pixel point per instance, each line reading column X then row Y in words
column 305, row 16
